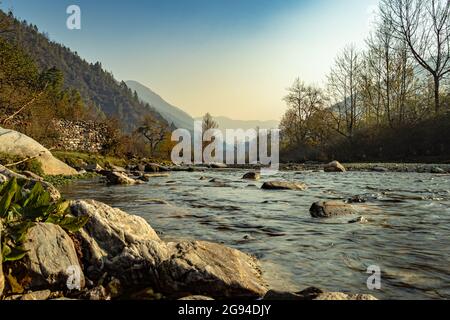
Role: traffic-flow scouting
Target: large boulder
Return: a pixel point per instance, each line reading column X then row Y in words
column 339, row 296
column 334, row 166
column 203, row 268
column 122, row 245
column 17, row 144
column 327, row 209
column 127, row 248
column 50, row 262
column 284, row 185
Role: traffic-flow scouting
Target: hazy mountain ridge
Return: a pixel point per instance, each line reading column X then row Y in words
column 97, row 87
column 170, row 113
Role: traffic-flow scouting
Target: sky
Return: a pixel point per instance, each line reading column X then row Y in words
column 231, row 58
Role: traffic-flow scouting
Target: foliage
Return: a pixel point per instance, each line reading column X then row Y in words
column 89, row 83
column 32, row 165
column 387, row 102
column 20, row 210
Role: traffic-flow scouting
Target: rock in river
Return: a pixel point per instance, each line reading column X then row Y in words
column 50, row 261
column 284, row 185
column 334, row 166
column 127, row 248
column 327, row 209
column 252, row 176
column 119, row 178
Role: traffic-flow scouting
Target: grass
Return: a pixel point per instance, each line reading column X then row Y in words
column 78, row 159
column 59, row 181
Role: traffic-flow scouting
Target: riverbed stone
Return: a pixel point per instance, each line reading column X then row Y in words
column 327, row 209
column 334, row 166
column 51, row 257
column 339, row 296
column 218, row 165
column 127, row 248
column 204, row 268
column 437, row 170
column 122, row 245
column 252, row 176
column 17, row 144
column 284, row 185
column 119, row 178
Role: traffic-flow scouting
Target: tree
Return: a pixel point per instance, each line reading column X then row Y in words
column 303, row 103
column 344, row 83
column 425, row 27
column 154, row 131
column 209, row 123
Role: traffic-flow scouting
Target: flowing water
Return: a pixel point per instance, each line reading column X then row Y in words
column 407, row 236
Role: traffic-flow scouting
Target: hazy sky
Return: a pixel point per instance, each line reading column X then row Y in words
column 229, row 57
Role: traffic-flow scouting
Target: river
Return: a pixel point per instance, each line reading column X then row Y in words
column 407, row 234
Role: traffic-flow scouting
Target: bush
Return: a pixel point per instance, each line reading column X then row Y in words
column 21, row 209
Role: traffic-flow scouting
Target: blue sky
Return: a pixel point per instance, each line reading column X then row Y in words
column 228, row 57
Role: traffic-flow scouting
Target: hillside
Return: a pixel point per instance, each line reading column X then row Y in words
column 98, row 88
column 172, row 114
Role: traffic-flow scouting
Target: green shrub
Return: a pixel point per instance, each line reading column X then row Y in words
column 19, row 211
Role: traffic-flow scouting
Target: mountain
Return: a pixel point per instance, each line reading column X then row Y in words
column 170, row 113
column 98, row 88
column 227, row 123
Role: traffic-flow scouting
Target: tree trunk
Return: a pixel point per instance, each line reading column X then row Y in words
column 437, row 100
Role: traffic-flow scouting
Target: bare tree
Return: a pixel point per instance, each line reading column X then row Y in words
column 343, row 85
column 209, row 123
column 425, row 27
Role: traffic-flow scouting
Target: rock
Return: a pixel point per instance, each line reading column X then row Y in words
column 196, row 298
column 156, row 175
column 359, row 220
column 37, row 296
column 203, row 178
column 329, row 209
column 98, row 293
column 211, row 269
column 2, row 278
column 122, row 245
column 380, row 169
column 17, row 144
column 343, row 296
column 307, row 294
column 252, row 176
column 32, row 176
column 8, row 174
column 119, row 178
column 3, row 178
column 283, row 185
column 217, row 165
column 93, row 167
column 117, row 168
column 437, row 170
column 334, row 166
column 50, row 261
column 153, row 167
column 127, row 248
column 82, row 172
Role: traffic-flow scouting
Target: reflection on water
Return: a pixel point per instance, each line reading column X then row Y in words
column 408, row 234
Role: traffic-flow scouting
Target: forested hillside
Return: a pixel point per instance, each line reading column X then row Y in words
column 97, row 87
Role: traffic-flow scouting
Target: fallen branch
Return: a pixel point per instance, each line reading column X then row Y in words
column 24, row 106
column 9, row 165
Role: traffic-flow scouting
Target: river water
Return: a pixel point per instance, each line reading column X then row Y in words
column 407, row 236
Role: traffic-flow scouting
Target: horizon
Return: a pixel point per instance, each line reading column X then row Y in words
column 238, row 57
